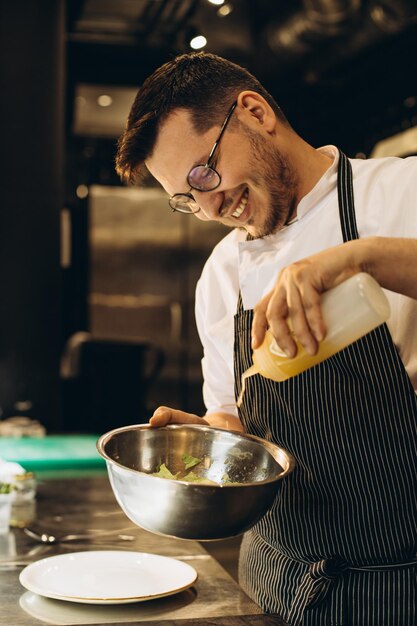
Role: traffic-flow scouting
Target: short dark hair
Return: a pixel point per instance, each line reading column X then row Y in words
column 202, row 83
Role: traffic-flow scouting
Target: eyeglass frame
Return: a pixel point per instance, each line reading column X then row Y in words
column 207, row 165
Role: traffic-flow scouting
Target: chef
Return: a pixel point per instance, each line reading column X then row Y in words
column 339, row 544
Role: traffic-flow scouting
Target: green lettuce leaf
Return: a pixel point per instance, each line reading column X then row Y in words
column 190, row 461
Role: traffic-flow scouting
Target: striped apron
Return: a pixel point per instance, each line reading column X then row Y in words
column 338, row 546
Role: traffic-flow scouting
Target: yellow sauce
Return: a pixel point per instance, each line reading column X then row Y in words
column 249, row 372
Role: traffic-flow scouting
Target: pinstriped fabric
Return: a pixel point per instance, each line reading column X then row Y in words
column 345, row 198
column 350, row 422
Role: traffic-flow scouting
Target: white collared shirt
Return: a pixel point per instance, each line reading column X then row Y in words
column 385, row 193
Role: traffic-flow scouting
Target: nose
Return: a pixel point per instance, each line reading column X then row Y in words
column 210, row 203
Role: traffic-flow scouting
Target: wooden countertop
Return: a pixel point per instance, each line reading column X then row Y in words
column 77, row 505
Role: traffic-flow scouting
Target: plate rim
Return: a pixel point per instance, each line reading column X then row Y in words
column 42, row 591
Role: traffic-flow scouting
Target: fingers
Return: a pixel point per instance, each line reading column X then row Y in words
column 291, row 311
column 165, row 415
column 260, row 322
column 305, row 320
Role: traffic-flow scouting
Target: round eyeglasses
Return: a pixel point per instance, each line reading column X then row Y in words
column 183, row 203
column 200, row 177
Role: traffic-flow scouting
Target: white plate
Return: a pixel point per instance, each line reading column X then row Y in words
column 107, row 577
column 58, row 613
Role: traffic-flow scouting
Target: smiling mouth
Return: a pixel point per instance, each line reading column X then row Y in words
column 242, row 204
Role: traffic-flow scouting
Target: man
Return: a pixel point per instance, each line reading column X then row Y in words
column 339, row 544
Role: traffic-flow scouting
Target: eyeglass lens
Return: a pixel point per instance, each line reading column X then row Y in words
column 203, row 178
column 184, row 203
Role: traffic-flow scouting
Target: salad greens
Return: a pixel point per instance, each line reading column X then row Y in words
column 164, row 472
column 190, row 461
column 191, row 477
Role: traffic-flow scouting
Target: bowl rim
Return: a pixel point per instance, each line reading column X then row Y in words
column 290, row 461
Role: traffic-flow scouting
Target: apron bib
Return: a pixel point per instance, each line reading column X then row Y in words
column 338, row 546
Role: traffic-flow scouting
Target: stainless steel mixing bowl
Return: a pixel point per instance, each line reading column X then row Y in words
column 248, row 471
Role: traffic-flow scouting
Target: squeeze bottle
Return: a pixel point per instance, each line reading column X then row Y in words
column 350, row 310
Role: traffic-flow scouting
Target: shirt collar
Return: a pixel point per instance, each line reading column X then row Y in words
column 324, row 185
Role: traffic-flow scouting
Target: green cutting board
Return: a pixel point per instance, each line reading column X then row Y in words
column 53, row 452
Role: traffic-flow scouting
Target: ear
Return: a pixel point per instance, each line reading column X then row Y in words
column 256, row 111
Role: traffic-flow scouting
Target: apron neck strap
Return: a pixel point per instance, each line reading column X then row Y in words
column 345, row 197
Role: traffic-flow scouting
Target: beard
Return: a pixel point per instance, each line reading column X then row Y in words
column 273, row 172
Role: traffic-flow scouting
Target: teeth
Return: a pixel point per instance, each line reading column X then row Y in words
column 238, row 212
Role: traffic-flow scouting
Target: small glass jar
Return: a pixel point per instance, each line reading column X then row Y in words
column 24, row 487
column 24, row 504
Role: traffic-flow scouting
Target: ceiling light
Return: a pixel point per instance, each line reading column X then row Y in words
column 104, row 100
column 82, row 191
column 198, row 42
column 219, row 2
column 224, row 10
